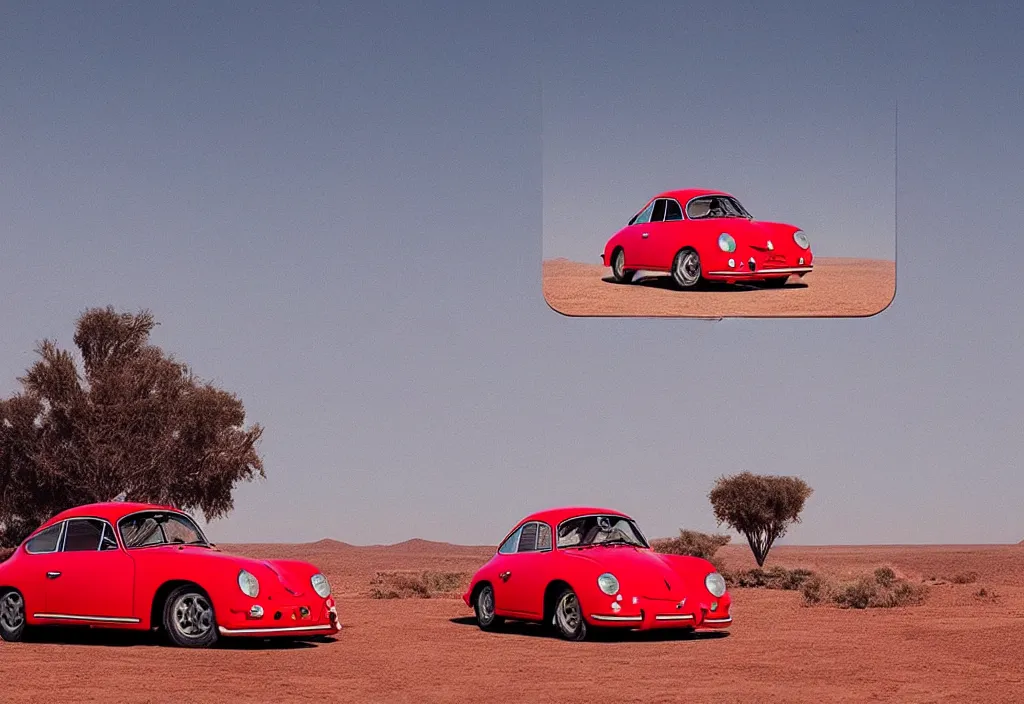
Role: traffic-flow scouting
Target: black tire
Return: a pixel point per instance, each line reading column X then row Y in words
column 568, row 616
column 620, row 273
column 189, row 620
column 483, row 607
column 686, row 271
column 12, row 616
column 775, row 283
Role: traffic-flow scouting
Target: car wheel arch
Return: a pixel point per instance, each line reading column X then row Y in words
column 477, row 588
column 156, row 607
column 551, row 593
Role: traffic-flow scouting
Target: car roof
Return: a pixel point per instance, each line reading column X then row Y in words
column 554, row 516
column 112, row 511
column 685, row 194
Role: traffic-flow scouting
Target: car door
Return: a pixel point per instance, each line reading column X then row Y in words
column 651, row 233
column 90, row 578
column 634, row 237
column 525, row 572
column 37, row 559
column 667, row 236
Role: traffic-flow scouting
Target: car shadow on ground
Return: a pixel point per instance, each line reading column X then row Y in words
column 667, row 284
column 605, row 635
column 110, row 638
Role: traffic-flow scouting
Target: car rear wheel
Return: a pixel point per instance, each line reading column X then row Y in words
column 621, row 274
column 686, row 268
column 12, row 616
column 778, row 282
column 483, row 605
column 189, row 620
column 568, row 618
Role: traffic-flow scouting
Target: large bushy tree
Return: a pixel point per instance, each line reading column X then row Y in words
column 759, row 507
column 129, row 419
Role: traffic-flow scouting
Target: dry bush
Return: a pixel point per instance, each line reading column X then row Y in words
column 692, row 543
column 965, row 578
column 426, row 584
column 882, row 589
column 771, row 578
column 986, row 595
column 759, row 507
column 5, row 553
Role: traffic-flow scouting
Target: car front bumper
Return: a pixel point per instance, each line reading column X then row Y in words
column 298, row 618
column 648, row 614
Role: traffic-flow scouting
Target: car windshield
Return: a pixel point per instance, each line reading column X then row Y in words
column 143, row 530
column 590, row 531
column 716, row 207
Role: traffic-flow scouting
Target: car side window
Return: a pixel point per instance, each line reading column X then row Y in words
column 673, row 211
column 45, row 540
column 645, row 216
column 511, row 543
column 659, row 210
column 543, row 536
column 528, row 538
column 83, row 535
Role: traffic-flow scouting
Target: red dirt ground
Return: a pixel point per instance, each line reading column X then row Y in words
column 836, row 287
column 957, row 647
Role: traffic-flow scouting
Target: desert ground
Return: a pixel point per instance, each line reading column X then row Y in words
column 957, row 647
column 836, row 287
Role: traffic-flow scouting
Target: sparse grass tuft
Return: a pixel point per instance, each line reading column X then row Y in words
column 986, row 595
column 424, row 584
column 882, row 589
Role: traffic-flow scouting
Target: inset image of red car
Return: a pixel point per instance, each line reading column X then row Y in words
column 700, row 235
column 577, row 568
column 140, row 566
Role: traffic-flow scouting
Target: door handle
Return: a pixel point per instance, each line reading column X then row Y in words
column 504, row 576
column 644, row 235
column 52, row 575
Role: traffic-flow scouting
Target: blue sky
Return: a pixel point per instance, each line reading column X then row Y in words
column 337, row 213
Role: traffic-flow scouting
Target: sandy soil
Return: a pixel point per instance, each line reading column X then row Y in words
column 957, row 647
column 836, row 287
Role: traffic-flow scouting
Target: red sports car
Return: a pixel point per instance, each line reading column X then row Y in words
column 699, row 235
column 574, row 568
column 139, row 566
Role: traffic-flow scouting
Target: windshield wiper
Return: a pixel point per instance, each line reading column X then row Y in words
column 617, row 541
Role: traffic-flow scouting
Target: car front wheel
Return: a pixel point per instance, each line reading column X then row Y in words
column 484, row 608
column 686, row 268
column 568, row 619
column 189, row 620
column 12, row 616
column 621, row 274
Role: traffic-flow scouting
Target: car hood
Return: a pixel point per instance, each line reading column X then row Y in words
column 643, row 572
column 292, row 576
column 757, row 233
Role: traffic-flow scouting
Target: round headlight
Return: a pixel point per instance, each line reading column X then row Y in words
column 715, row 584
column 320, row 585
column 801, row 240
column 726, row 243
column 248, row 583
column 609, row 585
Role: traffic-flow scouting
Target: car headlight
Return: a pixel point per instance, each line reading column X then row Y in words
column 715, row 584
column 609, row 585
column 726, row 243
column 320, row 585
column 248, row 583
column 801, row 240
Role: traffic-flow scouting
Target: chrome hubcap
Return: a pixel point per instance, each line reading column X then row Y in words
column 193, row 615
column 486, row 604
column 12, row 611
column 688, row 268
column 568, row 613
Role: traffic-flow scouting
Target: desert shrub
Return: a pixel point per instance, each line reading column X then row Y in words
column 881, row 590
column 986, row 595
column 965, row 578
column 691, row 542
column 771, row 578
column 885, row 576
column 5, row 553
column 416, row 585
column 759, row 507
column 816, row 590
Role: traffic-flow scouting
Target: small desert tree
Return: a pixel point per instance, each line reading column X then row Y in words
column 133, row 421
column 759, row 507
